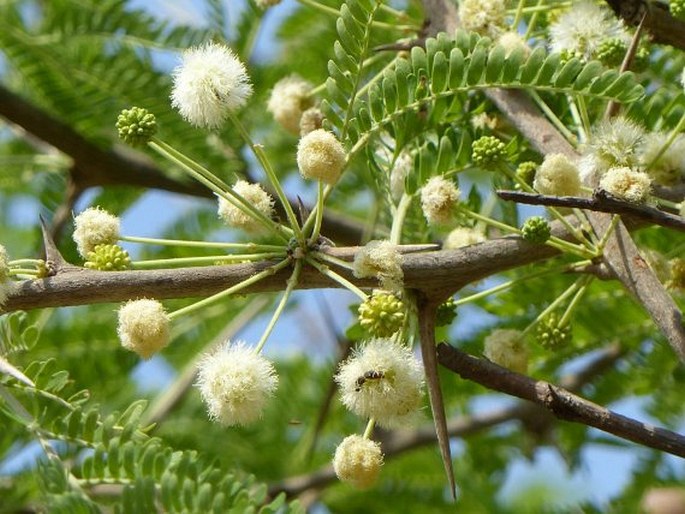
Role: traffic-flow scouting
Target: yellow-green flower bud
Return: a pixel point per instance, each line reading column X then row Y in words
column 551, row 334
column 446, row 313
column 108, row 258
column 487, row 150
column 382, row 314
column 526, row 172
column 536, row 229
column 136, row 126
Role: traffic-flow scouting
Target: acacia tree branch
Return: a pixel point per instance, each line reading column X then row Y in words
column 559, row 401
column 601, row 201
column 661, row 25
column 401, row 441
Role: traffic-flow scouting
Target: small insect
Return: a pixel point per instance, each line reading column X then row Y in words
column 369, row 375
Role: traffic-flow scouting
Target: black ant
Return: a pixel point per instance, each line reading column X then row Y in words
column 369, row 375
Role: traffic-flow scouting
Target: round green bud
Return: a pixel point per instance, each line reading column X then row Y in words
column 641, row 60
column 536, row 229
column 487, row 150
column 382, row 314
column 108, row 258
column 136, row 126
column 677, row 8
column 526, row 172
column 446, row 313
column 611, row 52
column 551, row 335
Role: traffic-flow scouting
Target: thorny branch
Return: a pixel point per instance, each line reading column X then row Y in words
column 601, row 201
column 560, row 402
column 400, row 441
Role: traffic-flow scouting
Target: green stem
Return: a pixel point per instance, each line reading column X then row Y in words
column 208, row 179
column 206, row 259
column 200, row 244
column 258, row 151
column 552, row 117
column 22, row 271
column 20, row 262
column 562, row 298
column 518, row 14
column 398, row 219
column 320, row 7
column 605, row 237
column 318, row 214
column 369, row 428
column 311, row 219
column 333, row 260
column 584, row 116
column 572, row 305
column 233, row 289
column 292, row 282
column 325, row 270
column 512, row 283
column 533, row 20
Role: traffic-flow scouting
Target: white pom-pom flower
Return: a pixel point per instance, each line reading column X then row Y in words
column 358, row 461
column 289, row 99
column 438, row 199
column 511, row 41
column 614, row 142
column 320, row 156
column 669, row 168
column 209, row 84
column 382, row 380
column 255, row 195
column 557, row 175
column 627, row 184
column 463, row 236
column 235, row 384
column 311, row 120
column 143, row 327
column 483, row 16
column 507, row 348
column 380, row 259
column 580, row 31
column 93, row 227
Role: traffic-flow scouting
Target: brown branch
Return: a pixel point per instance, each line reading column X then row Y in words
column 401, row 441
column 601, row 201
column 559, row 401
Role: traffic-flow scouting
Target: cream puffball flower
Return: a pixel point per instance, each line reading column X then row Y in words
column 463, row 236
column 483, row 16
column 557, row 175
column 143, row 327
column 669, row 168
column 320, row 156
column 438, row 198
column 209, row 84
column 511, row 41
column 358, row 461
column 581, row 30
column 93, row 227
column 289, row 99
column 627, row 184
column 382, row 380
column 507, row 348
column 255, row 196
column 380, row 259
column 235, row 384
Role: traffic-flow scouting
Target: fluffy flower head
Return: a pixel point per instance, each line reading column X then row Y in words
column 254, row 195
column 143, row 327
column 235, row 383
column 289, row 99
column 614, row 142
column 311, row 120
column 438, row 198
column 506, row 348
column 463, row 236
column 93, row 227
column 511, row 41
column 380, row 259
column 580, row 31
column 669, row 168
column 382, row 380
column 209, row 84
column 627, row 184
column 358, row 461
column 557, row 175
column 320, row 156
column 483, row 16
